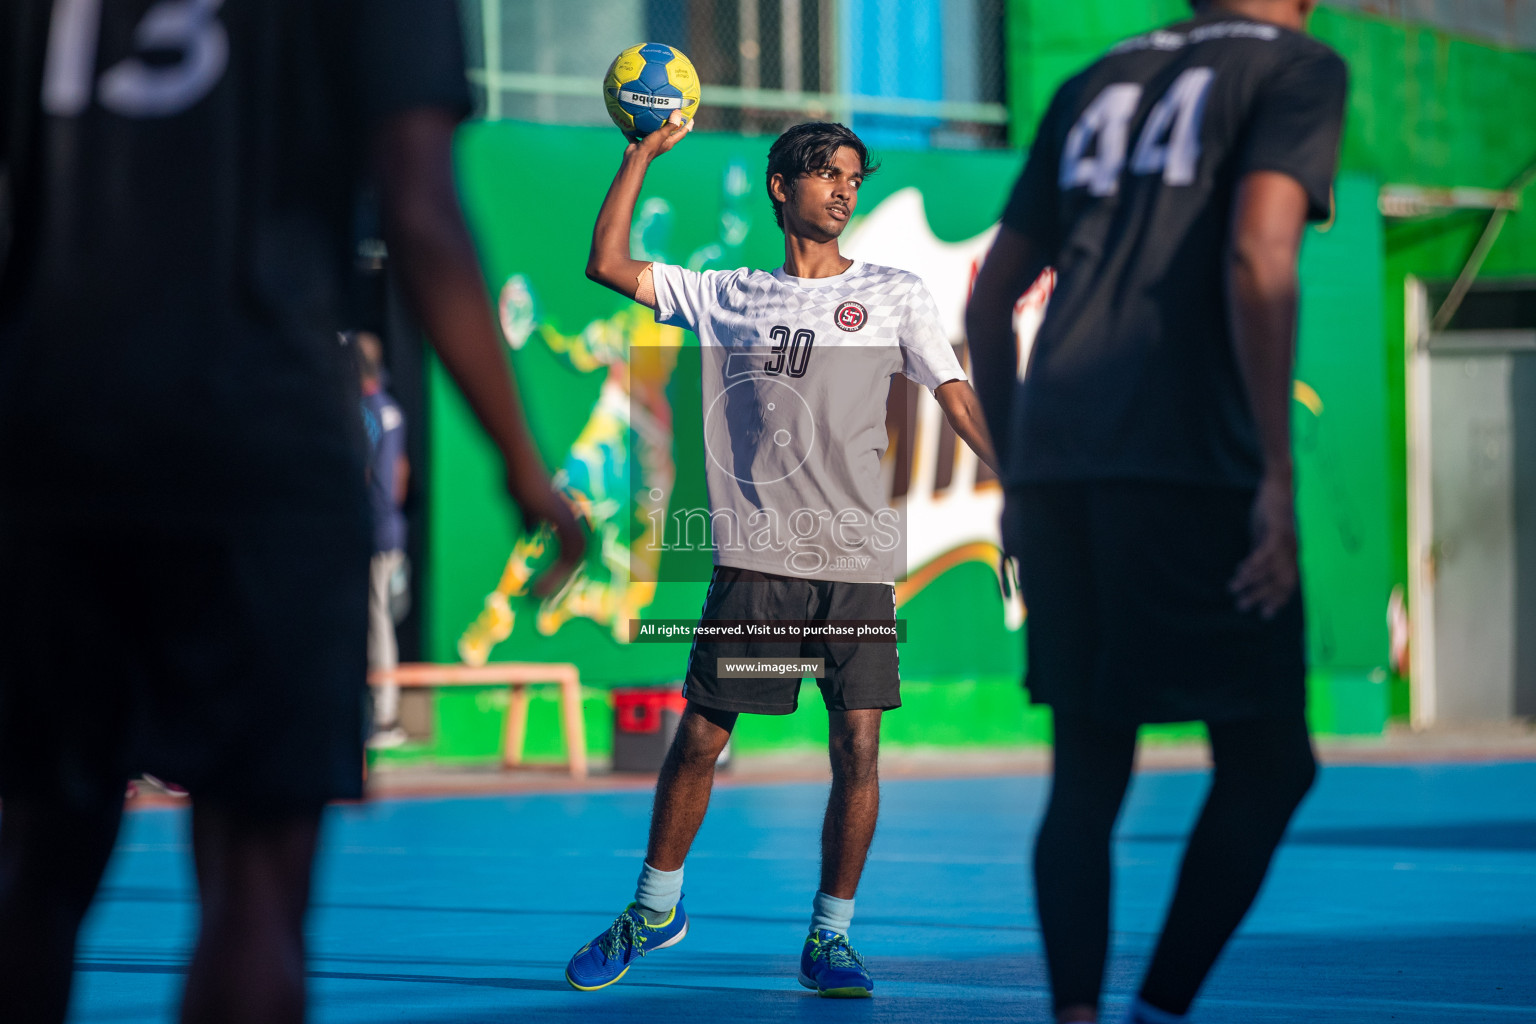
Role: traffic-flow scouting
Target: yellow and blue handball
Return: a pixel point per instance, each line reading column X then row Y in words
column 645, row 84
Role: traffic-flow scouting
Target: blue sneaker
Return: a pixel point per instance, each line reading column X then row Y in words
column 607, row 958
column 831, row 967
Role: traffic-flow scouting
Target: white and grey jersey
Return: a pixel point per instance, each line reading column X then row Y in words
column 796, row 372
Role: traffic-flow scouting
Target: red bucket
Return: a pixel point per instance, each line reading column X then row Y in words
column 639, row 710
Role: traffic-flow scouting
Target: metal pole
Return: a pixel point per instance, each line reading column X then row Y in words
column 831, row 58
column 749, row 45
column 490, row 29
column 1468, row 275
column 826, row 46
column 791, row 46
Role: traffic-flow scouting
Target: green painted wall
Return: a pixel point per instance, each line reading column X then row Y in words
column 1428, row 109
column 1049, row 42
column 963, row 664
column 1424, row 109
column 530, row 222
column 1340, row 447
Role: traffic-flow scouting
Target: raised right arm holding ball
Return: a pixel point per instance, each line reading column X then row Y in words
column 610, row 263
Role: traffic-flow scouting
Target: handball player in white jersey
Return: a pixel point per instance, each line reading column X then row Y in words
column 797, row 366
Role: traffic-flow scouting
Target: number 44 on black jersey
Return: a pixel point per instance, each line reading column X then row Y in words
column 1128, row 193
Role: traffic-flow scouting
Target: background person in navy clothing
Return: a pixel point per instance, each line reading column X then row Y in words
column 388, row 477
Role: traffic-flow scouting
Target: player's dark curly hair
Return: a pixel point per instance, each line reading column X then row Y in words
column 810, row 147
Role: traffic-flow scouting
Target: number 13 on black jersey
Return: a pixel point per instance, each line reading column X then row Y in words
column 134, row 87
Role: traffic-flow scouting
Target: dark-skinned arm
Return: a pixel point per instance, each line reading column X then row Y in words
column 435, row 259
column 609, row 263
column 1011, row 266
column 963, row 411
column 1269, row 217
column 402, row 480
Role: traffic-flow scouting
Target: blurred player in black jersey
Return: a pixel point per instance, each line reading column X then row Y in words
column 1147, row 456
column 184, row 533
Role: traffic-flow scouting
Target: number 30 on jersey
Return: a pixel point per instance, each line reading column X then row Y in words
column 799, row 355
column 1169, row 142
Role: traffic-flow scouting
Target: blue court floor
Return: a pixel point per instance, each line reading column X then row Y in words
column 1404, row 893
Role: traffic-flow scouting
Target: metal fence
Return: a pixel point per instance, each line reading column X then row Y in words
column 1509, row 23
column 915, row 72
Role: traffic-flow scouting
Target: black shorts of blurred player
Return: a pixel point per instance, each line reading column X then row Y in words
column 1131, row 621
column 228, row 657
column 857, row 676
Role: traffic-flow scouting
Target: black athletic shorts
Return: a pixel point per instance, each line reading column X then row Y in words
column 857, row 675
column 1129, row 616
column 228, row 657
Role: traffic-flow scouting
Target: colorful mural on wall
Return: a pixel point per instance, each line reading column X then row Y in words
column 620, row 471
column 624, row 462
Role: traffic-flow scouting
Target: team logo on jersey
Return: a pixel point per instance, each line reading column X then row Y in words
column 850, row 316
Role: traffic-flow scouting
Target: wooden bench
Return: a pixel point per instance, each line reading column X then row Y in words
column 518, row 677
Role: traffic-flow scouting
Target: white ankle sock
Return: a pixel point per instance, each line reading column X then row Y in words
column 657, row 892
column 828, row 913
